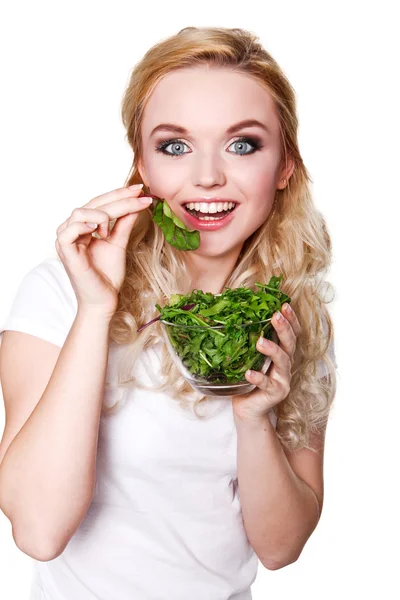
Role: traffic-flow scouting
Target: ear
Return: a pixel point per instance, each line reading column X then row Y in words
column 285, row 173
column 142, row 172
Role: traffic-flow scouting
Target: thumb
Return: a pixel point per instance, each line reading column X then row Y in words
column 122, row 229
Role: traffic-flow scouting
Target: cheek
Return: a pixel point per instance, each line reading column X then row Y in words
column 261, row 194
column 164, row 175
column 263, row 183
column 256, row 177
column 260, row 199
column 259, row 211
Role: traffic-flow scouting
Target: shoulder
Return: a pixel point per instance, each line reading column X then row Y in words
column 44, row 303
column 50, row 277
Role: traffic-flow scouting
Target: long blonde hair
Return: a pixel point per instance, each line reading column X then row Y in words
column 293, row 241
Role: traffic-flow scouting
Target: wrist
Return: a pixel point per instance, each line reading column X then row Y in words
column 252, row 423
column 96, row 315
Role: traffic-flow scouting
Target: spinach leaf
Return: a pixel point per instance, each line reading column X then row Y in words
column 175, row 231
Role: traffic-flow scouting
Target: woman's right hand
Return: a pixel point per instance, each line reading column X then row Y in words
column 96, row 267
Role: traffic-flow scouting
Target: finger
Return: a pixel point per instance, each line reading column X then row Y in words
column 287, row 337
column 108, row 212
column 290, row 315
column 275, row 386
column 118, row 194
column 282, row 361
column 125, row 222
column 91, row 215
column 67, row 239
column 122, row 230
column 258, row 379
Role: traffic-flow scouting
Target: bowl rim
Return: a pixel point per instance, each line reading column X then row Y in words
column 214, row 326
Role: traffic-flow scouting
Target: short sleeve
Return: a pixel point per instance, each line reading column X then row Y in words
column 44, row 305
column 322, row 369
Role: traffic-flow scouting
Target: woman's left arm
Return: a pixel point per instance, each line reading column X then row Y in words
column 280, row 493
column 280, row 511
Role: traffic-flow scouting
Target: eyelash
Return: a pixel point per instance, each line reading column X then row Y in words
column 254, row 142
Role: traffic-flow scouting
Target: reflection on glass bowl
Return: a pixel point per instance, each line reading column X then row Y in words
column 214, row 360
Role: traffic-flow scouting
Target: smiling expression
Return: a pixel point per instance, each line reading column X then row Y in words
column 191, row 149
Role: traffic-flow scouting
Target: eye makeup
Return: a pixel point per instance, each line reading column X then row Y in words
column 253, row 141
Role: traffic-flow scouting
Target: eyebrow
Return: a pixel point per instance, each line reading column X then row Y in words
column 232, row 129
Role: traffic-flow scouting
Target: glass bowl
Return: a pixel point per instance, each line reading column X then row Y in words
column 202, row 354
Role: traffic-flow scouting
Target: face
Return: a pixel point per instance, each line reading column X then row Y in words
column 209, row 161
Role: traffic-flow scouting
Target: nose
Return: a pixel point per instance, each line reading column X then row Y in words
column 208, row 170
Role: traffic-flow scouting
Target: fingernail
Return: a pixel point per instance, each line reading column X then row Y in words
column 136, row 186
column 264, row 342
column 146, row 200
column 92, row 225
column 280, row 316
column 288, row 308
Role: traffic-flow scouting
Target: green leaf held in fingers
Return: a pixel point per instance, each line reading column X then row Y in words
column 175, row 231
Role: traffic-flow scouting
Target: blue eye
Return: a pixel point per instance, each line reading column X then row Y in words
column 241, row 142
column 162, row 147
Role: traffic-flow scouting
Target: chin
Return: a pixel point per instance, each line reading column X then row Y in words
column 215, row 249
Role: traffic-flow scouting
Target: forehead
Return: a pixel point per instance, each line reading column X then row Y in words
column 208, row 99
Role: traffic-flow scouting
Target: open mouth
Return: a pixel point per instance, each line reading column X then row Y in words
column 209, row 216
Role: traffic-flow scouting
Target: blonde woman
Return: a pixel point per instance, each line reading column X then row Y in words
column 119, row 479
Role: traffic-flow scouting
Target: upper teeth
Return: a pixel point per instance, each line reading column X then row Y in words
column 214, row 207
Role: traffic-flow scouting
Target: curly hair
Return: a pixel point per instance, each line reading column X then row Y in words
column 293, row 241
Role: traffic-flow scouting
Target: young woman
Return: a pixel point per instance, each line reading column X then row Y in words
column 119, row 478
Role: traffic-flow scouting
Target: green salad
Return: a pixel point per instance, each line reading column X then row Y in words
column 215, row 336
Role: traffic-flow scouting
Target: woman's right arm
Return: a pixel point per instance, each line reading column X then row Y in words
column 47, row 475
column 48, row 471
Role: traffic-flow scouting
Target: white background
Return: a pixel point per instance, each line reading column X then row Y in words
column 64, row 68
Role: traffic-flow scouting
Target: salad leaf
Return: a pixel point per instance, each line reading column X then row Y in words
column 175, row 231
column 222, row 355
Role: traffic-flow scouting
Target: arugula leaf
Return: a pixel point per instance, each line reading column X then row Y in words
column 175, row 231
column 222, row 355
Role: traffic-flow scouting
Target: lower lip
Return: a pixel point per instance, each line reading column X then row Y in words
column 209, row 225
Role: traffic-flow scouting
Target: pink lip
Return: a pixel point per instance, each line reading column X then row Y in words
column 208, row 225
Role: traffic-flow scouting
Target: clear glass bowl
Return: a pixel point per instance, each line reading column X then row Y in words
column 199, row 354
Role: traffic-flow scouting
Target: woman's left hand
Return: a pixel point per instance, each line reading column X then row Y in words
column 274, row 387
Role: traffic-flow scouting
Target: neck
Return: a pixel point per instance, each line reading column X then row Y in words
column 210, row 273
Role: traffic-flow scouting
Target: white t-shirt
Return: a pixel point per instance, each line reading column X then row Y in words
column 165, row 519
